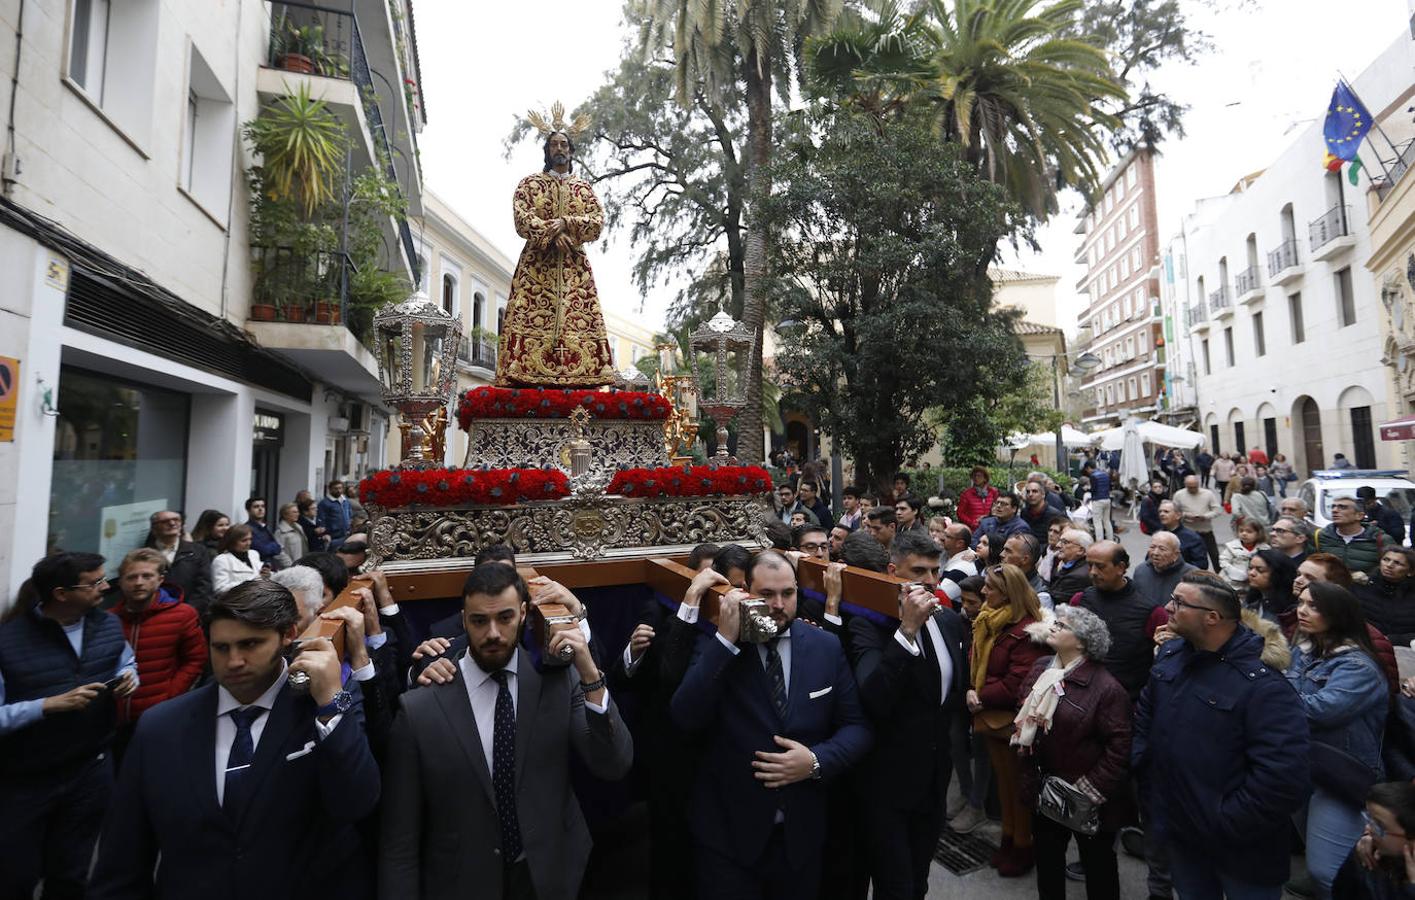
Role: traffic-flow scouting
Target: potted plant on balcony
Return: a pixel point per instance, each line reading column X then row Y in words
column 301, row 144
column 298, row 48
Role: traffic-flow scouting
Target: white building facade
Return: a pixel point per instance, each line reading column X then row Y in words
column 145, row 380
column 1282, row 317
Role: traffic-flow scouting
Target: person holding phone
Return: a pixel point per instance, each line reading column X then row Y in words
column 63, row 661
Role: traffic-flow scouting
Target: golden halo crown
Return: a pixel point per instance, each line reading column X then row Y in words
column 553, row 121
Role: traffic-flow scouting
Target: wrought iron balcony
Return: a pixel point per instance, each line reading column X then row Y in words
column 316, row 40
column 1328, row 227
column 1218, row 300
column 299, row 286
column 478, row 353
column 1247, row 280
column 1196, row 314
column 1284, row 257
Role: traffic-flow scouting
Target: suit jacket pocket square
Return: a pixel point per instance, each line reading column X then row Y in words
column 306, row 750
column 821, row 693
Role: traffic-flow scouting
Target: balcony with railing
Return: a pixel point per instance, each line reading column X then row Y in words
column 1284, row 264
column 300, row 309
column 1196, row 317
column 479, row 353
column 1330, row 233
column 1248, row 285
column 326, row 47
column 1220, row 303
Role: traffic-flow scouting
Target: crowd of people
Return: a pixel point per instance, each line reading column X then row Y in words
column 1207, row 708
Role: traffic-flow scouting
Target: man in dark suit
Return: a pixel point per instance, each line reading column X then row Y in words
column 912, row 681
column 777, row 720
column 478, row 800
column 243, row 788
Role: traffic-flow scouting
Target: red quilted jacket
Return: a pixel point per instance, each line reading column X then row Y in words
column 972, row 508
column 170, row 647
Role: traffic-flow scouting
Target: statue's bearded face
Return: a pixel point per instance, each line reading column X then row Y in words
column 558, row 150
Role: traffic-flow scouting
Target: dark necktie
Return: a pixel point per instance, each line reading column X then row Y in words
column 503, row 769
column 777, row 678
column 238, row 763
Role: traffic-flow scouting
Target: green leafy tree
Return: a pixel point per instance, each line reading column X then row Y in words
column 748, row 49
column 886, row 241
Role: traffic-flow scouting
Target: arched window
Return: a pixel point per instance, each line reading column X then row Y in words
column 449, row 295
column 478, row 301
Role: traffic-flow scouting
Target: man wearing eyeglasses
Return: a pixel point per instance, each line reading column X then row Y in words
column 188, row 562
column 1289, row 535
column 1349, row 539
column 1221, row 749
column 63, row 660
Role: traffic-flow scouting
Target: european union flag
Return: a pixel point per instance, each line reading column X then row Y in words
column 1348, row 120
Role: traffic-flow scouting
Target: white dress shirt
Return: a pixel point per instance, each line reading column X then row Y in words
column 945, row 661
column 482, row 690
column 226, row 727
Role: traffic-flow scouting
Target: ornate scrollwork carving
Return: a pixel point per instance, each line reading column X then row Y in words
column 522, row 443
column 587, row 525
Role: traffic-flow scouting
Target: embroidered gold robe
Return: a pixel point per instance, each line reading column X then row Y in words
column 553, row 332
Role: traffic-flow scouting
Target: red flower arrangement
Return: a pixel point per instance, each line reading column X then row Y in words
column 558, row 403
column 690, row 481
column 394, row 488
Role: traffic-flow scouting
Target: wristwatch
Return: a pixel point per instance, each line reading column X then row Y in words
column 338, row 706
column 815, row 767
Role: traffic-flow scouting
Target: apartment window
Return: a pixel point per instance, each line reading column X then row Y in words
column 1130, row 176
column 1345, row 299
column 1129, row 348
column 1135, row 259
column 1134, row 388
column 1204, row 351
column 1134, row 216
column 478, row 303
column 449, row 295
column 207, row 146
column 1144, row 339
column 1260, row 343
column 112, row 59
column 1124, row 267
column 1294, row 313
column 1362, row 439
column 1110, row 395
column 1145, row 384
column 1120, row 392
column 1228, row 345
column 1108, row 358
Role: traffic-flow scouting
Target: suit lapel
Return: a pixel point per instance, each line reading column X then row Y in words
column 528, row 687
column 457, row 713
column 796, row 694
column 201, row 741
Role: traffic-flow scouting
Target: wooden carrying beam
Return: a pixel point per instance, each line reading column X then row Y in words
column 323, row 628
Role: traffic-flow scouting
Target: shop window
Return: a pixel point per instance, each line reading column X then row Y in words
column 119, row 456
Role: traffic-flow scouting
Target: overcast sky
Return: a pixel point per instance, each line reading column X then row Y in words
column 484, row 64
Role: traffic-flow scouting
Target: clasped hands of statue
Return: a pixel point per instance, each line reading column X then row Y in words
column 559, row 236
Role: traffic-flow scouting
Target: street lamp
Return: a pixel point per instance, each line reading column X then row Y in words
column 417, row 361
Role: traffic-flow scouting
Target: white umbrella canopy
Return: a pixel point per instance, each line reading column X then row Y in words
column 1152, row 432
column 1071, row 437
column 1133, row 469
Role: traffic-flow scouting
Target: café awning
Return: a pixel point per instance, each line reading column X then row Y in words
column 1401, row 429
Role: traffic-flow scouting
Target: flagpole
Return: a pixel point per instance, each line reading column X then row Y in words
column 1376, row 124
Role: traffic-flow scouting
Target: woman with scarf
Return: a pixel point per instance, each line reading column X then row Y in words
column 1335, row 671
column 1075, row 725
column 1001, row 658
column 1270, row 576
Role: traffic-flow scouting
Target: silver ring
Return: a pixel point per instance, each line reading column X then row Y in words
column 565, row 651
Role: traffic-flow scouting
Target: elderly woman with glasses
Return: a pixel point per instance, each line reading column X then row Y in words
column 1001, row 658
column 1075, row 724
column 1335, row 671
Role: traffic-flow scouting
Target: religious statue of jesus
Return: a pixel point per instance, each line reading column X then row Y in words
column 553, row 332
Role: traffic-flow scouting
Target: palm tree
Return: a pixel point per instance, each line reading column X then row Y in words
column 1021, row 98
column 750, row 47
column 998, row 77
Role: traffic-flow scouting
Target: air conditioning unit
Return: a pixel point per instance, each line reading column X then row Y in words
column 338, row 424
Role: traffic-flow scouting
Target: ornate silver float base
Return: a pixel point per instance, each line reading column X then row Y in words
column 534, row 443
column 576, row 528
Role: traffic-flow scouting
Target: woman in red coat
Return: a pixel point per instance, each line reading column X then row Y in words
column 1001, row 658
column 1075, row 725
column 976, row 501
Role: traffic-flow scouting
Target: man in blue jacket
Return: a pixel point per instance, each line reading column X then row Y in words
column 334, row 514
column 1191, row 545
column 1221, row 749
column 263, row 541
column 1001, row 525
column 776, row 721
